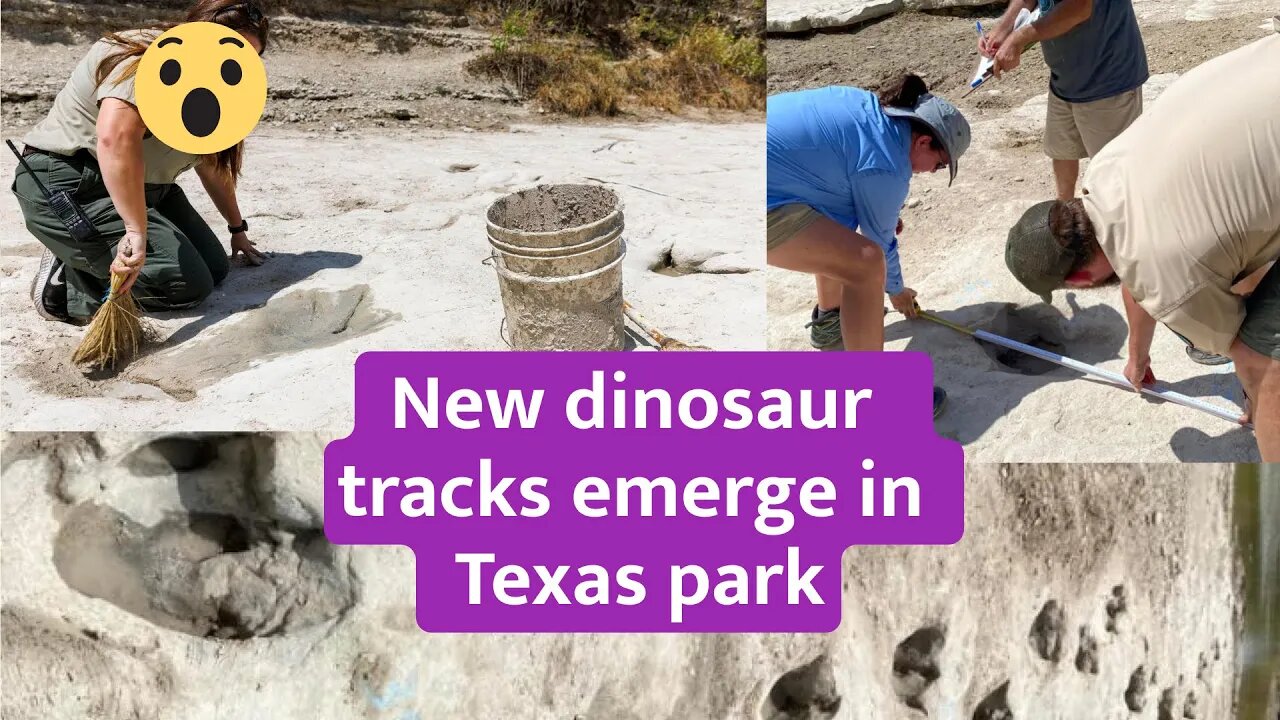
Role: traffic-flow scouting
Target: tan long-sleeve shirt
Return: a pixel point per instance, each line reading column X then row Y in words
column 1186, row 202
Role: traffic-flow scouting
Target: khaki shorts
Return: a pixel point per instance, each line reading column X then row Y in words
column 1074, row 131
column 785, row 222
column 1261, row 328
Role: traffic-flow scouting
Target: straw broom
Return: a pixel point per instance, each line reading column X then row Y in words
column 116, row 332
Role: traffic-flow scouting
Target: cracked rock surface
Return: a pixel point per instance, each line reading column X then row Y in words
column 174, row 576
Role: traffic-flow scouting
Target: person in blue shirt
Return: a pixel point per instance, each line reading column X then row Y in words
column 840, row 161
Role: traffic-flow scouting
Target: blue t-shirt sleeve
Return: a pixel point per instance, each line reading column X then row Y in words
column 878, row 198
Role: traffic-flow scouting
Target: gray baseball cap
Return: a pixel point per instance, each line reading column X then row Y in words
column 948, row 125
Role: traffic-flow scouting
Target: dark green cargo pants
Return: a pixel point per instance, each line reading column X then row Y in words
column 185, row 259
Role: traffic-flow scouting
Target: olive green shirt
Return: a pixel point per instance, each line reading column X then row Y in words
column 71, row 124
column 1186, row 202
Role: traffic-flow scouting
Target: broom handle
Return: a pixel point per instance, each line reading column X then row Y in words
column 1113, row 377
column 644, row 324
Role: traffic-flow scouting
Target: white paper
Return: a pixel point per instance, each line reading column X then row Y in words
column 1025, row 17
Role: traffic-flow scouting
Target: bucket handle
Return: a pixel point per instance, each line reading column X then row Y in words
column 502, row 326
column 502, row 333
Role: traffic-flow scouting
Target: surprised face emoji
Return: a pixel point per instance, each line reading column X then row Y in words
column 201, row 88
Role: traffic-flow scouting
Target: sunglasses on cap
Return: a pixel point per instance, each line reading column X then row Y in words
column 250, row 9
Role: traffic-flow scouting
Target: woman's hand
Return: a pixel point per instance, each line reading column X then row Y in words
column 131, row 255
column 905, row 302
column 1138, row 372
column 240, row 243
column 900, row 228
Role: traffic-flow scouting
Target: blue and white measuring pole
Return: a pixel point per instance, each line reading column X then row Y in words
column 1114, row 377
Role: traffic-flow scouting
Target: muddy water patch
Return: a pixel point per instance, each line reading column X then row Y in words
column 204, row 574
column 1256, row 520
column 301, row 320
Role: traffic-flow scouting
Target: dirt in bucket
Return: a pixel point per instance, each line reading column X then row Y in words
column 547, row 208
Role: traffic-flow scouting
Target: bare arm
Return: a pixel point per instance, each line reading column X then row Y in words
column 120, row 131
column 1011, row 13
column 1142, row 329
column 1057, row 22
column 222, row 191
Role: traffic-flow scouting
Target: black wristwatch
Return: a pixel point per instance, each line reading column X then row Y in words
column 244, row 227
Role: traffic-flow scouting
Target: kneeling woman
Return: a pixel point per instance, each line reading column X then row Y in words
column 94, row 145
column 840, row 161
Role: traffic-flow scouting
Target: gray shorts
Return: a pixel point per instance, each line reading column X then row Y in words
column 784, row 222
column 1261, row 328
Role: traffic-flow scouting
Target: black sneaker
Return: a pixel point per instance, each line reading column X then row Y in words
column 49, row 289
column 939, row 401
column 1206, row 358
column 824, row 329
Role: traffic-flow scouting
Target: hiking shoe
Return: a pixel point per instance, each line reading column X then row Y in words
column 49, row 289
column 824, row 329
column 939, row 401
column 1206, row 358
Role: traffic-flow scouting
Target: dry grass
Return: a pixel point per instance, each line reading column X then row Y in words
column 702, row 66
column 707, row 68
column 561, row 79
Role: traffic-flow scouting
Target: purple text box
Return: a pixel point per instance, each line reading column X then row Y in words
column 894, row 433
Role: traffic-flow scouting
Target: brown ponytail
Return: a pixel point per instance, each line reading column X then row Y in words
column 246, row 17
column 904, row 93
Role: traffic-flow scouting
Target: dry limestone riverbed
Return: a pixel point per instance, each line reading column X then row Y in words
column 188, row 577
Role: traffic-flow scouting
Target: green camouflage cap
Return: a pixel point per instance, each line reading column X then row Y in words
column 1034, row 255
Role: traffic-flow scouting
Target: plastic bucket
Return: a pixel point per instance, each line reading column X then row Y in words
column 558, row 251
